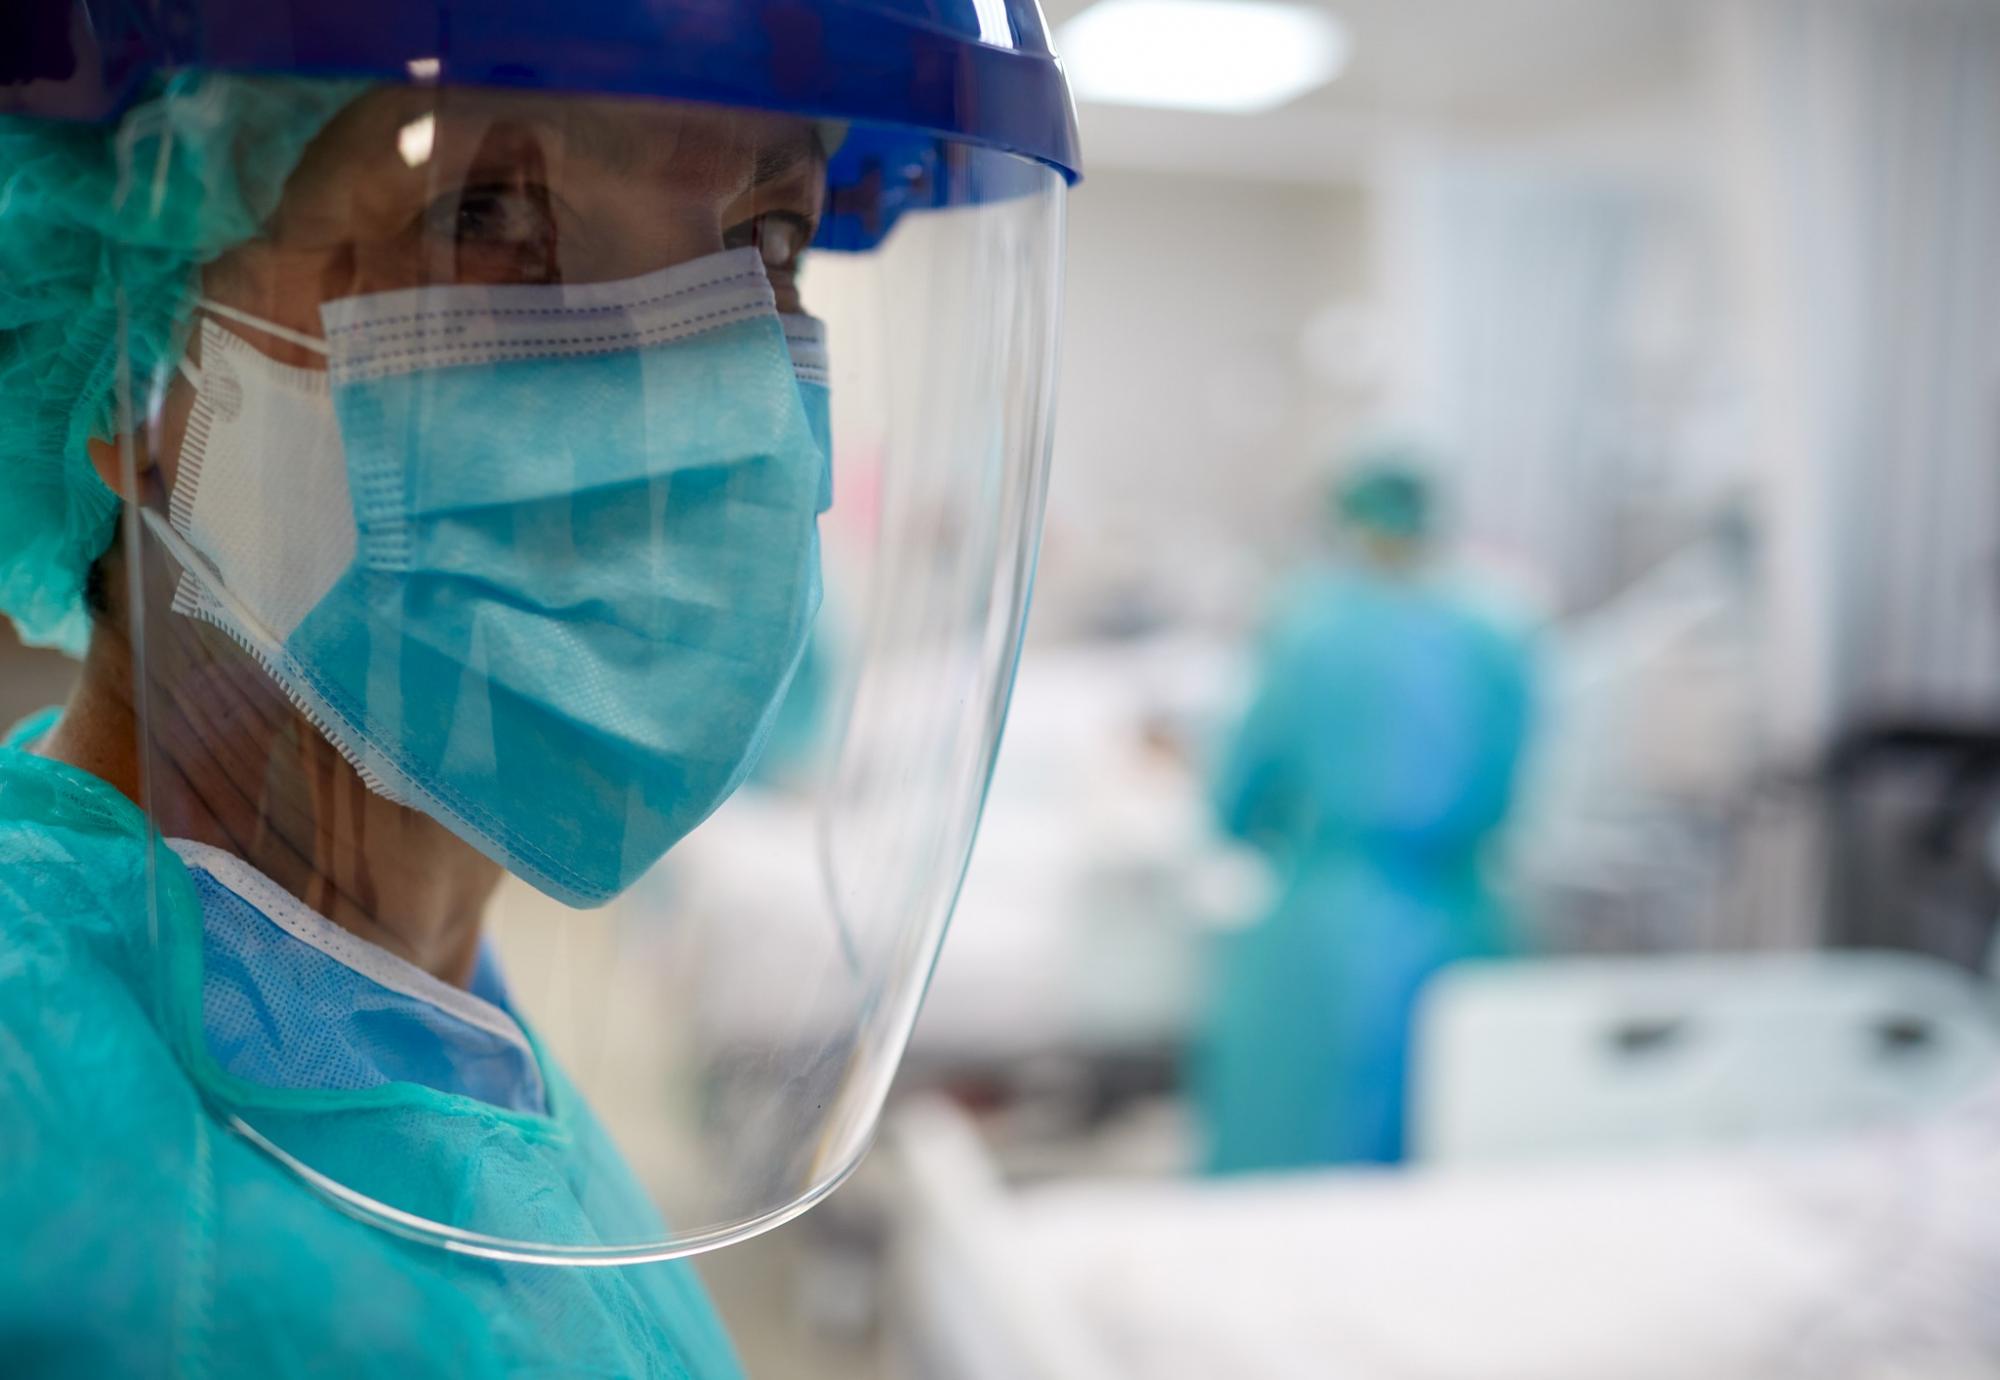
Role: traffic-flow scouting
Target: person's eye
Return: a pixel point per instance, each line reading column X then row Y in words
column 494, row 216
column 780, row 237
column 496, row 232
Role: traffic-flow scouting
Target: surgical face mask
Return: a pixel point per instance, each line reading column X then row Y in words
column 540, row 561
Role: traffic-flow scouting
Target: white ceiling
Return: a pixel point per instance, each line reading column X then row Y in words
column 1481, row 65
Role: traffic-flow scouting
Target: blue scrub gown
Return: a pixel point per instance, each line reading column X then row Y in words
column 145, row 1238
column 1375, row 764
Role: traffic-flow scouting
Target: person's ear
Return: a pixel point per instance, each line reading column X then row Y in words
column 156, row 444
column 104, row 459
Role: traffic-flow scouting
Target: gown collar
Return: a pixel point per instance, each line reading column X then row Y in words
column 292, row 1000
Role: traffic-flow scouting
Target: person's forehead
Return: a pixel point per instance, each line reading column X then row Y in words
column 626, row 134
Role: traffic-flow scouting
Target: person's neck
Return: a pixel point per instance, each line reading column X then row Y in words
column 101, row 700
column 292, row 808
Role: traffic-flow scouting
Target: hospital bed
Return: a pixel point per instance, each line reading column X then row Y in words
column 1749, row 1250
column 1593, row 1056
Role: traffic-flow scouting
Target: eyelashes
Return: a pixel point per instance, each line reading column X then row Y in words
column 509, row 229
column 499, row 231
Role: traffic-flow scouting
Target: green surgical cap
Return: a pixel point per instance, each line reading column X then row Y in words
column 1384, row 490
column 89, row 215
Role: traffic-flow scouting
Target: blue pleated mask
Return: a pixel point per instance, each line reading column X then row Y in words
column 539, row 561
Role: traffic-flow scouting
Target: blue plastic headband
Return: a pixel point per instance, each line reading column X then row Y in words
column 914, row 77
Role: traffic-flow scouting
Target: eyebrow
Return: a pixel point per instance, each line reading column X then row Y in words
column 614, row 144
column 781, row 160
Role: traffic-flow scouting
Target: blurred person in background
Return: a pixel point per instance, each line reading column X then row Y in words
column 1374, row 766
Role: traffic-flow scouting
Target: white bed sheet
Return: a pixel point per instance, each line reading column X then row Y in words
column 1876, row 1258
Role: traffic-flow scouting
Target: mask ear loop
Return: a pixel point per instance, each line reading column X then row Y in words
column 258, row 323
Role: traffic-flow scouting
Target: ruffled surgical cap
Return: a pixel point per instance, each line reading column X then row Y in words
column 1384, row 490
column 93, row 218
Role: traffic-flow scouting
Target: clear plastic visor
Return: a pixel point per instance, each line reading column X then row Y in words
column 572, row 622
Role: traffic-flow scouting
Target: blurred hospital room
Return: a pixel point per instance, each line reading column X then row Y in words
column 1493, row 868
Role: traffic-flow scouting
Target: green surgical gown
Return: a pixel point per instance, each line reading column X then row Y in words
column 144, row 1238
column 1374, row 765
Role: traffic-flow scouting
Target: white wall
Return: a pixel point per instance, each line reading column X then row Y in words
column 1188, row 420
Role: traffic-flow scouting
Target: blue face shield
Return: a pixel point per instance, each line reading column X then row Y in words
column 542, row 560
